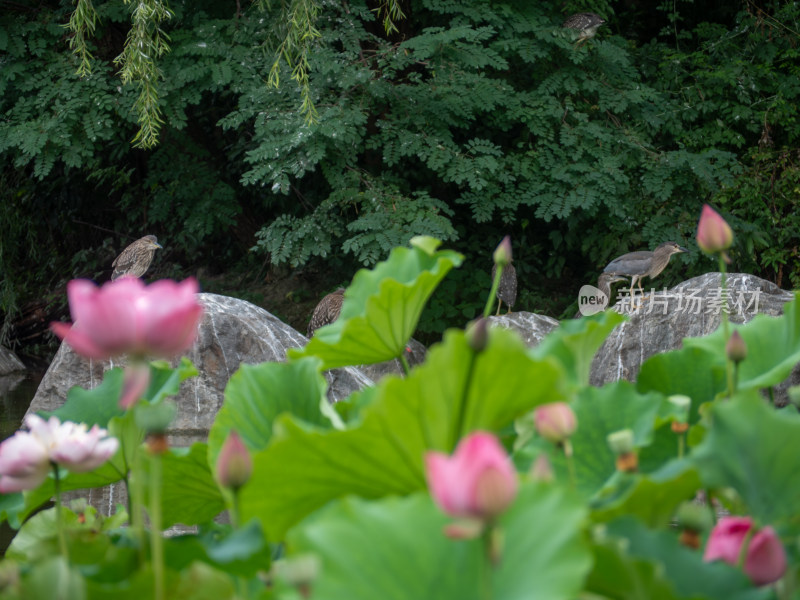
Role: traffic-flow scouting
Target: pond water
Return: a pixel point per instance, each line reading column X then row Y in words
column 16, row 392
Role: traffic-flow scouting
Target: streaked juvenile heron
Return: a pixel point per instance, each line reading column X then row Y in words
column 638, row 265
column 326, row 311
column 507, row 290
column 136, row 258
column 585, row 23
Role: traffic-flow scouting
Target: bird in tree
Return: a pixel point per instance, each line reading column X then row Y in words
column 136, row 258
column 507, row 290
column 585, row 23
column 327, row 311
column 638, row 265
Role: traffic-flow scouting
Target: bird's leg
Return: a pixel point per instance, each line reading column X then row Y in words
column 499, row 304
column 508, row 312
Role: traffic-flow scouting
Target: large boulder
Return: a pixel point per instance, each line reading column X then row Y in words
column 532, row 328
column 232, row 332
column 9, row 362
column 690, row 309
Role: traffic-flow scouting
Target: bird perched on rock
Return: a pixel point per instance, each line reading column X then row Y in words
column 638, row 265
column 136, row 258
column 507, row 290
column 585, row 23
column 327, row 311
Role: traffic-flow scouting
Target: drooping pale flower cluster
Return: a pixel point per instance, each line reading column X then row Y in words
column 127, row 317
column 27, row 457
column 765, row 561
column 477, row 481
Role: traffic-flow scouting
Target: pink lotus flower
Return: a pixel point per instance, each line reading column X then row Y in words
column 555, row 422
column 26, row 457
column 713, row 233
column 127, row 317
column 234, row 464
column 478, row 480
column 766, row 559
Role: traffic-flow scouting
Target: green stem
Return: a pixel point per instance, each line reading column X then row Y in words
column 570, row 462
column 486, row 564
column 725, row 326
column 62, row 540
column 137, row 493
column 404, row 362
column 464, row 404
column 235, row 508
column 493, row 293
column 681, row 444
column 156, row 539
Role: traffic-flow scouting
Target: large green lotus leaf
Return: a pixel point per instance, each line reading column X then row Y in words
column 382, row 307
column 51, row 579
column 189, row 494
column 688, row 574
column 575, row 342
column 96, row 406
column 165, row 381
column 615, row 574
column 691, row 371
column 773, row 347
column 599, row 412
column 257, row 394
column 454, row 392
column 652, row 498
column 756, row 450
column 395, row 549
column 242, row 552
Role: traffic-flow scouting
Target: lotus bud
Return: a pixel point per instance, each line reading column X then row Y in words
column 541, row 469
column 502, row 255
column 736, row 349
column 765, row 558
column 477, row 481
column 477, row 334
column 234, row 464
column 713, row 233
column 555, row 422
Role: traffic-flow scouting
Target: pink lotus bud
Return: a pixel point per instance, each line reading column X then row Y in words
column 25, row 458
column 555, row 422
column 234, row 464
column 736, row 349
column 127, row 317
column 541, row 470
column 713, row 233
column 478, row 480
column 765, row 561
column 477, row 334
column 502, row 254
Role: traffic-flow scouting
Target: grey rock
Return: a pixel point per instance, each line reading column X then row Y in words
column 415, row 355
column 690, row 309
column 531, row 327
column 231, row 333
column 9, row 362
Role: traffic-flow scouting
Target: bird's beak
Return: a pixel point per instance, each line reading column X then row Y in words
column 157, row 245
column 682, row 249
